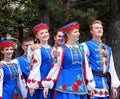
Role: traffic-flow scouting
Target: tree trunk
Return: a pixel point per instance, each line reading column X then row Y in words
column 115, row 43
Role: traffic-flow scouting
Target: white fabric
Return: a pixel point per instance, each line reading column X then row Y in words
column 89, row 76
column 35, row 72
column 29, row 53
column 115, row 82
column 1, row 81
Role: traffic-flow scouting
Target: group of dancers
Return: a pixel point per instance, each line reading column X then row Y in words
column 67, row 70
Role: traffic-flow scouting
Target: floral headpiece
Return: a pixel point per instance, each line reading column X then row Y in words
column 39, row 27
column 6, row 43
column 70, row 26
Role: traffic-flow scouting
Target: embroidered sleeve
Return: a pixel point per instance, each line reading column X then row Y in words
column 114, row 78
column 54, row 72
column 89, row 75
column 86, row 49
column 1, row 82
column 34, row 77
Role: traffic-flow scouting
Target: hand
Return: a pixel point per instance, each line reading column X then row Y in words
column 114, row 93
column 56, row 53
column 91, row 94
column 1, row 65
column 36, row 46
column 31, row 91
column 45, row 92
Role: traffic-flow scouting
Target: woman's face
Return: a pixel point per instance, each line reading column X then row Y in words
column 7, row 52
column 42, row 35
column 74, row 35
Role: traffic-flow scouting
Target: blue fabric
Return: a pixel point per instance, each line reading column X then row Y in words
column 47, row 61
column 36, row 95
column 25, row 66
column 10, row 80
column 71, row 79
column 50, row 94
column 60, row 95
column 96, row 62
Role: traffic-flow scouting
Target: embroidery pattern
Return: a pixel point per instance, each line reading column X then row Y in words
column 78, row 85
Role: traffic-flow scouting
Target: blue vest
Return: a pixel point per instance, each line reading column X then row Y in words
column 96, row 56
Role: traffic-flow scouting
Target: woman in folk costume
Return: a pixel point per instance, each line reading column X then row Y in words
column 69, row 74
column 102, row 64
column 10, row 73
column 41, row 60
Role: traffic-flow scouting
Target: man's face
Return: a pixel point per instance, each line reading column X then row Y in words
column 58, row 38
column 97, row 30
column 26, row 44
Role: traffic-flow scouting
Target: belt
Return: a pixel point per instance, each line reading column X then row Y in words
column 107, row 75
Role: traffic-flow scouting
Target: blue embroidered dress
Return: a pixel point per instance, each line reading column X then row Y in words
column 10, row 74
column 70, row 82
column 42, row 62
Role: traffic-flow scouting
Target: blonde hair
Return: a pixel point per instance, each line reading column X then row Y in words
column 94, row 22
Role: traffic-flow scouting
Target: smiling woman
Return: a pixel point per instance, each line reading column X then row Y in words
column 10, row 73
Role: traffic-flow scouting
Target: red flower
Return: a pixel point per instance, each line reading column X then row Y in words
column 33, row 81
column 79, row 82
column 49, row 79
column 89, row 63
column 44, row 79
column 34, row 61
column 15, row 96
column 29, row 81
column 100, row 93
column 105, row 93
column 32, row 56
column 95, row 91
column 64, row 86
column 22, row 77
column 106, row 63
column 103, row 47
column 39, row 83
column 104, row 55
column 75, row 87
column 31, row 67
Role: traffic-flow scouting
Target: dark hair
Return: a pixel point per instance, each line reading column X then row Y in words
column 27, row 38
column 56, row 32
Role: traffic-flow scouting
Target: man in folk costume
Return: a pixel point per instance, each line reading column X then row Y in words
column 67, row 75
column 101, row 60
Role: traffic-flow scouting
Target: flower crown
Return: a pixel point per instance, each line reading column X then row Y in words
column 70, row 26
column 39, row 27
column 6, row 43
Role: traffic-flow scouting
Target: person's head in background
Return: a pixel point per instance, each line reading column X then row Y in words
column 96, row 29
column 71, row 32
column 27, row 41
column 7, row 49
column 58, row 35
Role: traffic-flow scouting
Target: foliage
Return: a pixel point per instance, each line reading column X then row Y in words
column 16, row 14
